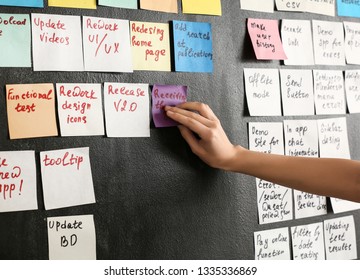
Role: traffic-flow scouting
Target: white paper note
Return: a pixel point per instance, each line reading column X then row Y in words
column 80, row 109
column 352, row 89
column 352, row 42
column 308, row 242
column 333, row 138
column 329, row 45
column 297, row 92
column 272, row 244
column 291, row 6
column 263, row 91
column 266, row 138
column 266, row 6
column 72, row 238
column 329, row 92
column 340, row 238
column 296, row 38
column 17, row 181
column 301, row 139
column 66, row 178
column 323, row 7
column 127, row 110
column 107, row 45
column 58, row 39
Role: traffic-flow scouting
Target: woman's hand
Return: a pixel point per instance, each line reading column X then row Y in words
column 212, row 145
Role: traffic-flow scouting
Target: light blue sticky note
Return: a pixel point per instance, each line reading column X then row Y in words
column 23, row 3
column 127, row 4
column 15, row 38
column 193, row 46
column 348, row 8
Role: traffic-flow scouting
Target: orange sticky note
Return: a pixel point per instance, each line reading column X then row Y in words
column 167, row 6
column 31, row 110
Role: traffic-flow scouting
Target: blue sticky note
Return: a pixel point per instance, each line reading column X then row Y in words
column 127, row 4
column 23, row 3
column 193, row 46
column 348, row 8
column 15, row 40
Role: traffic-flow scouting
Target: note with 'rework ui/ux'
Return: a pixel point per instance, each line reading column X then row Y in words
column 80, row 109
column 66, row 178
column 328, row 42
column 202, row 7
column 72, row 238
column 352, row 89
column 308, row 242
column 193, row 49
column 127, row 4
column 127, row 112
column 150, row 45
column 274, row 201
column 265, row 38
column 31, row 110
column 301, row 139
column 58, row 38
column 297, row 38
column 321, row 7
column 166, row 95
column 262, row 88
column 266, row 6
column 15, row 37
column 18, row 181
column 167, row 6
column 297, row 92
column 352, row 42
column 272, row 244
column 107, row 45
column 340, row 238
column 329, row 92
column 82, row 4
column 23, row 3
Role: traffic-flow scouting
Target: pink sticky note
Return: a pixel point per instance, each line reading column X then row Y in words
column 265, row 37
column 166, row 95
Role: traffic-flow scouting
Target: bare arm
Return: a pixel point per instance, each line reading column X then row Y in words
column 329, row 177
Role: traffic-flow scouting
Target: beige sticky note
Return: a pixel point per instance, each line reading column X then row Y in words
column 31, row 110
column 167, row 6
column 150, row 46
column 84, row 4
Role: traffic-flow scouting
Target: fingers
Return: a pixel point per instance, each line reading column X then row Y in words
column 190, row 139
column 191, row 123
column 203, row 109
column 191, row 115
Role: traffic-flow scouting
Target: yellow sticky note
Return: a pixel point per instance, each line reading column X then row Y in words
column 150, row 44
column 202, row 7
column 84, row 4
column 167, row 6
column 31, row 110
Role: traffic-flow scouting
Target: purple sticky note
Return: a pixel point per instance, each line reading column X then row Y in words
column 166, row 95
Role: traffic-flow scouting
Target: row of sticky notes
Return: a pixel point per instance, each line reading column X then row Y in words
column 205, row 7
column 333, row 239
column 31, row 109
column 299, row 89
column 103, row 44
column 344, row 8
column 326, row 138
column 66, row 179
column 323, row 44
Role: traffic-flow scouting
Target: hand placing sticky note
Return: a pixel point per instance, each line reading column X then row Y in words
column 265, row 38
column 166, row 95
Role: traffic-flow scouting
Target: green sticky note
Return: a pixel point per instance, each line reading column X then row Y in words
column 128, row 4
column 15, row 44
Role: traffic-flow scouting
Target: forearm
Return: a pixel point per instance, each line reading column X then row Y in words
column 329, row 177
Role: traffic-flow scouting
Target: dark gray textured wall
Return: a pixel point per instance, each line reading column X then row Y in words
column 154, row 198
